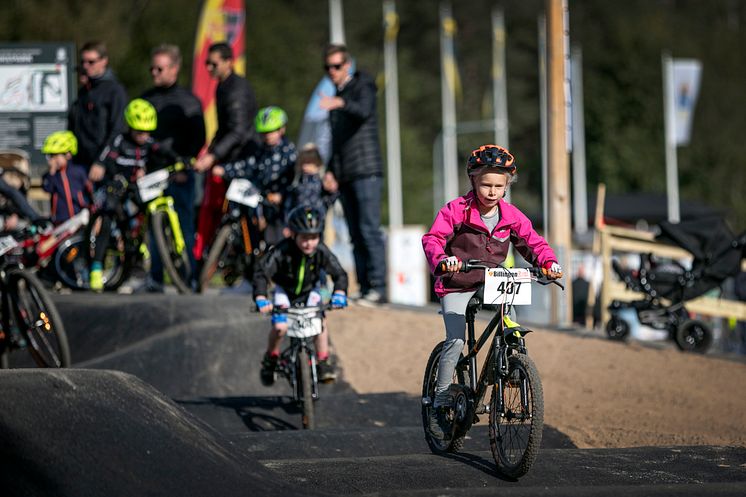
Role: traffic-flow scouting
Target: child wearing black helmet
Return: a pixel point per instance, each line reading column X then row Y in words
column 295, row 266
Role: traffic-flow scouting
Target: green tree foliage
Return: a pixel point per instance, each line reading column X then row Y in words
column 622, row 44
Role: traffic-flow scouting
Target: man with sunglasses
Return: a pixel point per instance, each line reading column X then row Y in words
column 96, row 116
column 181, row 127
column 234, row 139
column 356, row 168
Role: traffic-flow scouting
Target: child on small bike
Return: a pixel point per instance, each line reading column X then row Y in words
column 295, row 265
column 128, row 157
column 479, row 225
column 270, row 169
column 66, row 182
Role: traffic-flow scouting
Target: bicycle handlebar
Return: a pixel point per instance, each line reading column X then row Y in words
column 538, row 274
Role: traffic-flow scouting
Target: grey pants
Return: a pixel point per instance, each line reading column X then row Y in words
column 453, row 306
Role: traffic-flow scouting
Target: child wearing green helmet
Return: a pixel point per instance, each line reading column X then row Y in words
column 271, row 169
column 66, row 182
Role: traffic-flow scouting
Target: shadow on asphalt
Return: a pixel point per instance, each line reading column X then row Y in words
column 253, row 411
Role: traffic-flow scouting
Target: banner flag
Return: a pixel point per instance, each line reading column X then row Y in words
column 686, row 78
column 453, row 79
column 220, row 20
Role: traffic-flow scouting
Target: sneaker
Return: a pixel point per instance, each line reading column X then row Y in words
column 267, row 374
column 326, row 371
column 96, row 280
column 440, row 428
column 372, row 298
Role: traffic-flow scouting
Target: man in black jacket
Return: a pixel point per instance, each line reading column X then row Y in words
column 96, row 116
column 234, row 139
column 356, row 168
column 181, row 127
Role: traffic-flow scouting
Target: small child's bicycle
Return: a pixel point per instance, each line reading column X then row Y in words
column 298, row 363
column 516, row 407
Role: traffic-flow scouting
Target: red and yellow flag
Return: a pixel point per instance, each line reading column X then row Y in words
column 220, row 20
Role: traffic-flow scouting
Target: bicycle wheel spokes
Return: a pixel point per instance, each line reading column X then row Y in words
column 39, row 323
column 436, row 444
column 515, row 431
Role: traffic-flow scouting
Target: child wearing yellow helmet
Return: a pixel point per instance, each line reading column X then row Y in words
column 67, row 183
column 125, row 159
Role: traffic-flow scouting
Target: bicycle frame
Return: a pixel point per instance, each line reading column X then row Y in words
column 165, row 203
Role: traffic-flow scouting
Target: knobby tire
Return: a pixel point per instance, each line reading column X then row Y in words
column 177, row 265
column 428, row 390
column 37, row 319
column 214, row 256
column 304, row 366
column 515, row 433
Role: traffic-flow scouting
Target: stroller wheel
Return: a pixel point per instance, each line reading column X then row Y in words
column 617, row 328
column 694, row 336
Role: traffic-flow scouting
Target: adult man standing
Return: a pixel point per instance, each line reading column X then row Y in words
column 181, row 127
column 234, row 139
column 356, row 168
column 96, row 116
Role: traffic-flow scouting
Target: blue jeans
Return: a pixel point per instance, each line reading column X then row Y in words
column 361, row 199
column 183, row 195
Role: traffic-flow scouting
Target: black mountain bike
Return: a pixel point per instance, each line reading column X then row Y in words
column 297, row 363
column 29, row 317
column 516, row 407
column 238, row 244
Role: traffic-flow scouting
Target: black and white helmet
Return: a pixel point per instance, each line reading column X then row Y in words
column 306, row 220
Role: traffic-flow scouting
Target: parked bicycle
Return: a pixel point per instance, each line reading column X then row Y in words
column 132, row 209
column 516, row 407
column 29, row 317
column 238, row 244
column 47, row 251
column 298, row 362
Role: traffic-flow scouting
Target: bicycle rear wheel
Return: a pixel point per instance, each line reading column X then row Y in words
column 437, row 445
column 304, row 369
column 176, row 263
column 37, row 319
column 515, row 430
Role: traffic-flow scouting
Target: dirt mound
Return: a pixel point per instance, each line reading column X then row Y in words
column 598, row 392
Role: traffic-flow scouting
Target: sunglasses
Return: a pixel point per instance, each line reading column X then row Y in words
column 89, row 62
column 336, row 67
column 210, row 63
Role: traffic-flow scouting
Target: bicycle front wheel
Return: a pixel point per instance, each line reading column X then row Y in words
column 217, row 256
column 176, row 263
column 306, row 383
column 37, row 319
column 438, row 445
column 515, row 429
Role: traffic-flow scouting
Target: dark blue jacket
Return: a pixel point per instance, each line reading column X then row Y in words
column 70, row 191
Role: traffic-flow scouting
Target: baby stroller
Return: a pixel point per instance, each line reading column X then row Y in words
column 667, row 284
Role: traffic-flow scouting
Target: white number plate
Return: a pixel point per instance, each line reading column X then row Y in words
column 507, row 286
column 304, row 323
column 152, row 185
column 7, row 243
column 244, row 192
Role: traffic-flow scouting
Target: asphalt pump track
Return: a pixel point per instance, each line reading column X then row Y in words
column 164, row 399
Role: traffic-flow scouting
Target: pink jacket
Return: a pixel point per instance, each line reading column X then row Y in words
column 458, row 230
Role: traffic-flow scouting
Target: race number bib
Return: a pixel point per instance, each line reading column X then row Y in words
column 507, row 286
column 244, row 192
column 152, row 185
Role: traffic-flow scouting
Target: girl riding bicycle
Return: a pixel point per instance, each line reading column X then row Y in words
column 479, row 225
